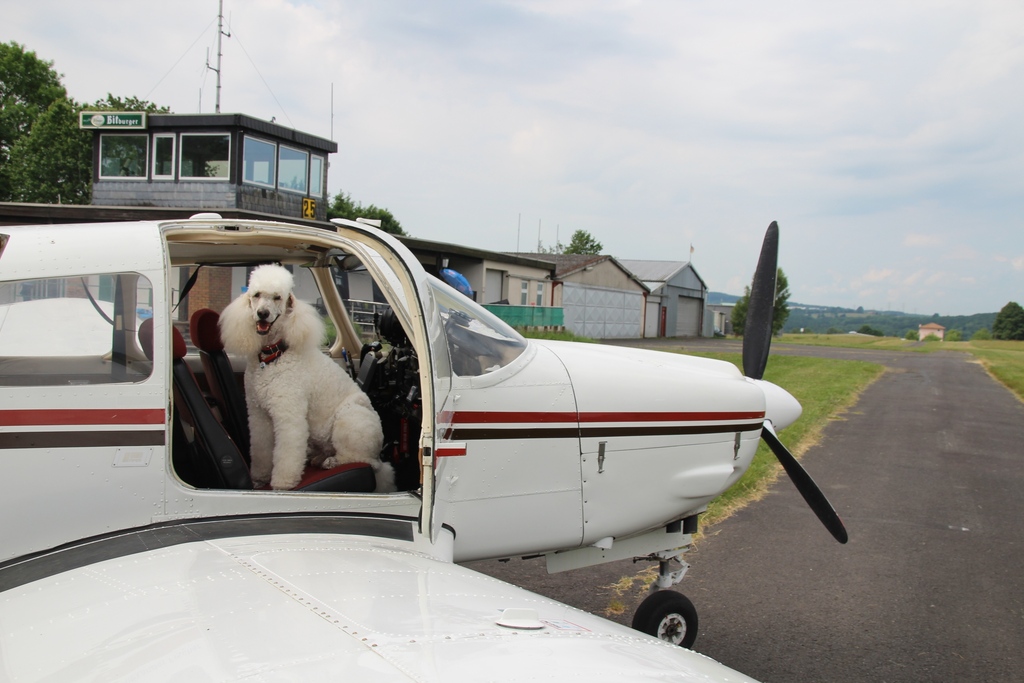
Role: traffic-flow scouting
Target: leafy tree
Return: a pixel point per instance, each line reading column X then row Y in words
column 739, row 313
column 1009, row 322
column 981, row 335
column 780, row 311
column 112, row 103
column 28, row 86
column 582, row 242
column 53, row 164
column 556, row 248
column 344, row 207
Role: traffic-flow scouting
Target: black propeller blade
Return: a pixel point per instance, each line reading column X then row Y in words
column 757, row 331
column 757, row 340
column 805, row 485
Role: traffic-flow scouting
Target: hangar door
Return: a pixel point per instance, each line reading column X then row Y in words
column 602, row 313
column 688, row 315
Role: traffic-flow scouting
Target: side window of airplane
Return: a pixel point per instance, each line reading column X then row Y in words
column 74, row 331
column 478, row 341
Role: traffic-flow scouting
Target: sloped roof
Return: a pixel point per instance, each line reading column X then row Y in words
column 654, row 271
column 566, row 264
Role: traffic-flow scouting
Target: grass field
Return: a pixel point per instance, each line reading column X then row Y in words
column 863, row 341
column 1004, row 360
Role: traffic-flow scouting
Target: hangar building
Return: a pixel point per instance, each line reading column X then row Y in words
column 676, row 306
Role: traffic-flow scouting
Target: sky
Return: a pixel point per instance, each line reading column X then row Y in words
column 886, row 138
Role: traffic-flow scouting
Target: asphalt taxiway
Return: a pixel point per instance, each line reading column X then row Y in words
column 927, row 472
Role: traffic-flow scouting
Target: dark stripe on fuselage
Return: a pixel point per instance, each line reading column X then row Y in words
column 82, row 439
column 490, row 433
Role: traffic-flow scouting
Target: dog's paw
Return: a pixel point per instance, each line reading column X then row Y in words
column 284, row 483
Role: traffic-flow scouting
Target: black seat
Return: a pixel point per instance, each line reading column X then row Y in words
column 220, row 376
column 211, row 459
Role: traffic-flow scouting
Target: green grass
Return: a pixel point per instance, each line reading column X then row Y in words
column 863, row 341
column 825, row 388
column 1004, row 360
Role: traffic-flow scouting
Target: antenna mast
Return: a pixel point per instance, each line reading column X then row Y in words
column 220, row 52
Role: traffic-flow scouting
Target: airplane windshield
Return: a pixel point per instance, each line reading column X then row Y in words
column 478, row 341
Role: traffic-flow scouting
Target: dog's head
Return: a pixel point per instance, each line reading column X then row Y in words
column 268, row 313
column 269, row 298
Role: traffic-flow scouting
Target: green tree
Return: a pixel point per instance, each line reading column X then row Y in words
column 1009, row 322
column 114, row 103
column 780, row 311
column 344, row 207
column 53, row 164
column 981, row 335
column 28, row 86
column 738, row 317
column 582, row 242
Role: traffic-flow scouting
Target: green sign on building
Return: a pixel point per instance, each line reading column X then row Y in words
column 112, row 119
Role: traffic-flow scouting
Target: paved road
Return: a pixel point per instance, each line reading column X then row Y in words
column 927, row 472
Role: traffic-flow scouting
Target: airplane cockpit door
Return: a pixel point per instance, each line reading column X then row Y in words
column 405, row 284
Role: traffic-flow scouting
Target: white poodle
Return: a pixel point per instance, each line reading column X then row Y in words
column 302, row 406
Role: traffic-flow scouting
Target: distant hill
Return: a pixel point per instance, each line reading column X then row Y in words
column 720, row 298
column 835, row 319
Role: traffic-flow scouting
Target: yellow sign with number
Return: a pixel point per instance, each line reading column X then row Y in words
column 308, row 207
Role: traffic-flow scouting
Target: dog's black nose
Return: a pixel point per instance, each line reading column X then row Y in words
column 262, row 314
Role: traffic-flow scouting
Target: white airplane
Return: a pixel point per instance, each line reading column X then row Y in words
column 134, row 547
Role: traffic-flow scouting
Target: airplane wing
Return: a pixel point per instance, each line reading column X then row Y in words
column 179, row 603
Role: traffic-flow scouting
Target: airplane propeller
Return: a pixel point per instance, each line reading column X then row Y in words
column 757, row 338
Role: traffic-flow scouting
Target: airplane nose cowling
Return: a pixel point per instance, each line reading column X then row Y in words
column 780, row 406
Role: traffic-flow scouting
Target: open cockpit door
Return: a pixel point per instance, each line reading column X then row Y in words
column 405, row 284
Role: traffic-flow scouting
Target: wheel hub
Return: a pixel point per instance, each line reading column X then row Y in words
column 672, row 628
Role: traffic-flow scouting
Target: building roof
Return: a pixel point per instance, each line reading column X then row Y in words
column 568, row 264
column 654, row 271
column 244, row 121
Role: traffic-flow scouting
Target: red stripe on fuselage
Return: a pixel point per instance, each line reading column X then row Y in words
column 81, row 417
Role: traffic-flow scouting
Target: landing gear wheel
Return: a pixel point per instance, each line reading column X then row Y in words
column 669, row 616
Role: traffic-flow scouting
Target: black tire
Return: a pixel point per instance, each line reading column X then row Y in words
column 668, row 616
